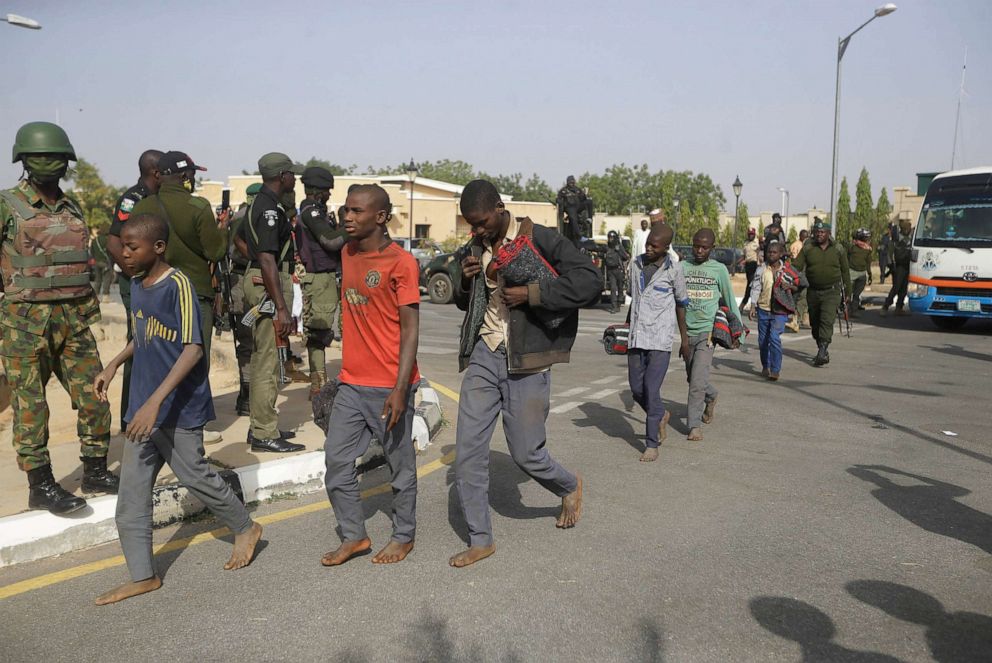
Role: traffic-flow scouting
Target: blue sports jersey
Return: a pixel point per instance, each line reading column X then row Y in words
column 165, row 317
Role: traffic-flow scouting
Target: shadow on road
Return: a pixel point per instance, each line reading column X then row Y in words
column 957, row 351
column 929, row 504
column 951, row 636
column 611, row 422
column 430, row 641
column 809, row 627
column 504, row 494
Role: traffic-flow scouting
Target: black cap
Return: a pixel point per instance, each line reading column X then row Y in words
column 318, row 178
column 174, row 162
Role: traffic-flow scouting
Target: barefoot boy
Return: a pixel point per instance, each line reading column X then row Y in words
column 507, row 352
column 657, row 310
column 170, row 402
column 381, row 315
column 708, row 282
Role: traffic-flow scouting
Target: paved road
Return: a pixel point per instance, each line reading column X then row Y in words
column 827, row 517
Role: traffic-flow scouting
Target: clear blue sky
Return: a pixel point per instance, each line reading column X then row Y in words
column 552, row 87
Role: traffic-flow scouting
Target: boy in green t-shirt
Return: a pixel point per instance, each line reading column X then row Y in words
column 708, row 282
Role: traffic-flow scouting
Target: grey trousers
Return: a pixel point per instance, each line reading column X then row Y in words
column 697, row 370
column 356, row 412
column 488, row 390
column 182, row 449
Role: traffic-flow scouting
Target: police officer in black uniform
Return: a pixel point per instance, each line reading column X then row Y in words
column 148, row 183
column 268, row 235
column 573, row 211
column 319, row 245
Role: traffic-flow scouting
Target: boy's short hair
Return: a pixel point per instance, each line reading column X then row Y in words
column 479, row 196
column 378, row 196
column 149, row 226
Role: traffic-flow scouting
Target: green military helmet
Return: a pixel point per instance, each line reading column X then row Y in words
column 253, row 189
column 42, row 138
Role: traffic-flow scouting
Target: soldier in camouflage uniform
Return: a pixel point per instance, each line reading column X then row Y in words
column 45, row 317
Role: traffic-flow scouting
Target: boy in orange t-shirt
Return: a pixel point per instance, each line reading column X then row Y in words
column 381, row 316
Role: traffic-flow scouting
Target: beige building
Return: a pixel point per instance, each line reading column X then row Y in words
column 905, row 204
column 435, row 212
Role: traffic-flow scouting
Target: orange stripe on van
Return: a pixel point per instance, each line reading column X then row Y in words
column 942, row 283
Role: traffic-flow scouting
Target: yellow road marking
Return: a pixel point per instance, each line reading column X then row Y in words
column 56, row 577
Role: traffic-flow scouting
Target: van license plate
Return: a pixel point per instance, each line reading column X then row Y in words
column 970, row 305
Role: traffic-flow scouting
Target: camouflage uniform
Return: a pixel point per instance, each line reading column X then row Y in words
column 47, row 330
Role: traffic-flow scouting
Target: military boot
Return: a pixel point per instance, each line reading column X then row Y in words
column 822, row 356
column 317, row 380
column 243, row 405
column 97, row 478
column 46, row 493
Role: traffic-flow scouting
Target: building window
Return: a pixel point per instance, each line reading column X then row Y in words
column 422, row 230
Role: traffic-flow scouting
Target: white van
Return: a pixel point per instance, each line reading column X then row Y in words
column 950, row 277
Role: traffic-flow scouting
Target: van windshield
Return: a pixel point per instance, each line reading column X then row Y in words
column 956, row 215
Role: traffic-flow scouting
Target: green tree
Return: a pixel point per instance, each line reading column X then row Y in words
column 446, row 170
column 864, row 211
column 536, row 189
column 96, row 197
column 334, row 168
column 883, row 210
column 842, row 226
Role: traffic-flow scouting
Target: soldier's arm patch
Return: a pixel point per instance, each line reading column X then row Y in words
column 126, row 206
column 271, row 216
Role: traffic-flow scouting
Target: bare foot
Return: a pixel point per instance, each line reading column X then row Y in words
column 571, row 508
column 346, row 551
column 650, row 455
column 129, row 590
column 472, row 555
column 663, row 428
column 393, row 552
column 244, row 548
column 695, row 435
column 709, row 411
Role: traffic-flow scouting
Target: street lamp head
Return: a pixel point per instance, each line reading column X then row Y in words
column 737, row 186
column 411, row 170
column 885, row 9
column 22, row 21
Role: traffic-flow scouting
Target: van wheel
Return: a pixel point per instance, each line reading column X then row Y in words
column 439, row 288
column 948, row 323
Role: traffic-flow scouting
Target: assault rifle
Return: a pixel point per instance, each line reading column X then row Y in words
column 843, row 315
column 267, row 307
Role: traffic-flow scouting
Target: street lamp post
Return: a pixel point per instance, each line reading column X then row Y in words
column 22, row 22
column 411, row 174
column 675, row 228
column 884, row 10
column 785, row 208
column 737, row 207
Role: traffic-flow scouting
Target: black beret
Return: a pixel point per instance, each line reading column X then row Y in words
column 318, row 178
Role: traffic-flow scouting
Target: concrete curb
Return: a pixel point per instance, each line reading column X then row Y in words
column 35, row 535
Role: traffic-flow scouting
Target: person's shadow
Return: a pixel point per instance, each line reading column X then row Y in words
column 809, row 627
column 929, row 504
column 951, row 636
column 505, row 499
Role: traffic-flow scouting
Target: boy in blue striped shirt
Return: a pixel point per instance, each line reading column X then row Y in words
column 169, row 403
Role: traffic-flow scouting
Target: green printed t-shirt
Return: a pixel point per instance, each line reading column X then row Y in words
column 706, row 284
